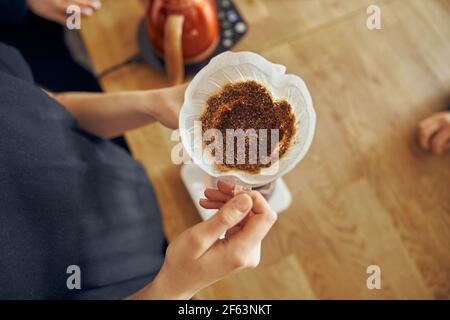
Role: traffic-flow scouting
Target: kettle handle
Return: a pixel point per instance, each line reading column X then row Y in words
column 173, row 50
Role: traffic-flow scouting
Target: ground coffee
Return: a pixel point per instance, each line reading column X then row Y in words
column 249, row 105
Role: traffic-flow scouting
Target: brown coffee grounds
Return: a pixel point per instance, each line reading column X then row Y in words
column 249, row 105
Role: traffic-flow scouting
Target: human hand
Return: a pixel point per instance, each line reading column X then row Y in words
column 266, row 190
column 197, row 258
column 167, row 108
column 55, row 10
column 434, row 133
column 216, row 198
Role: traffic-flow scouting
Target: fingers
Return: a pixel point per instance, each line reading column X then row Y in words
column 440, row 141
column 254, row 228
column 215, row 199
column 260, row 204
column 209, row 204
column 225, row 188
column 59, row 18
column 257, row 226
column 426, row 129
column 95, row 4
column 224, row 192
column 216, row 195
column 239, row 226
column 434, row 132
column 233, row 212
column 88, row 7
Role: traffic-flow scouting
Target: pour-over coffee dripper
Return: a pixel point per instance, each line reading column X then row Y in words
column 230, row 67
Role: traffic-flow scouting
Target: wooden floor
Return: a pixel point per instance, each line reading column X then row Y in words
column 365, row 194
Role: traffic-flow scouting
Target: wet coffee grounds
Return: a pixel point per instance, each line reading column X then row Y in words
column 249, row 105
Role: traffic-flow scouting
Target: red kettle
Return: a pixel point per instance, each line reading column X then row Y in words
column 182, row 32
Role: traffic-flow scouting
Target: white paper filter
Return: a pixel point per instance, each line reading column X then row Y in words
column 231, row 67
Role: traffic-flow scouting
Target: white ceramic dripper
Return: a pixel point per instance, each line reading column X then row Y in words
column 231, row 67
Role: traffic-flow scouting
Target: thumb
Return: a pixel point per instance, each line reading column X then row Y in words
column 233, row 212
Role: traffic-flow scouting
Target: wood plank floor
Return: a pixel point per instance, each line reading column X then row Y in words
column 365, row 194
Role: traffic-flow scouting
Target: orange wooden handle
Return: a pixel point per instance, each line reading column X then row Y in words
column 173, row 50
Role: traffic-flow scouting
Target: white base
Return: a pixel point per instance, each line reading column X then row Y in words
column 196, row 181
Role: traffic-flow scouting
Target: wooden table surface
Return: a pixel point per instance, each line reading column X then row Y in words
column 365, row 194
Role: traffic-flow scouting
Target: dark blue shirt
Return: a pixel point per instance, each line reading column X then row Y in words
column 68, row 198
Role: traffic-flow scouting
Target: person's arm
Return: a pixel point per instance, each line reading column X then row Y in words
column 198, row 258
column 109, row 115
